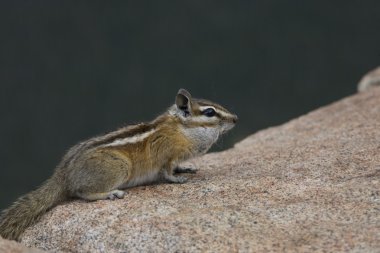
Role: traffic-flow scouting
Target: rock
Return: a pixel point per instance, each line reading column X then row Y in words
column 7, row 246
column 312, row 184
column 370, row 80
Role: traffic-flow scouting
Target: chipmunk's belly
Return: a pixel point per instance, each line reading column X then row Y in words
column 141, row 179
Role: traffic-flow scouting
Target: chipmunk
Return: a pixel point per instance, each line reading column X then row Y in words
column 103, row 167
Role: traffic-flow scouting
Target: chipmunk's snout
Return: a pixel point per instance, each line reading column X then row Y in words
column 228, row 123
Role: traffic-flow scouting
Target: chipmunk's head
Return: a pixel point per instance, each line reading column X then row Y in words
column 202, row 120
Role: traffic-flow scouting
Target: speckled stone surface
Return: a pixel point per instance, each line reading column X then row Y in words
column 7, row 246
column 312, row 184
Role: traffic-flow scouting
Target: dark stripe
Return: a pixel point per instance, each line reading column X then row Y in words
column 126, row 132
column 129, row 131
column 204, row 102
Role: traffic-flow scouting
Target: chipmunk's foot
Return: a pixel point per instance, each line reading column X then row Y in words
column 174, row 179
column 116, row 194
column 185, row 170
column 102, row 195
column 179, row 180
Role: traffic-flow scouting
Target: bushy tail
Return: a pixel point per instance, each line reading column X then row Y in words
column 28, row 209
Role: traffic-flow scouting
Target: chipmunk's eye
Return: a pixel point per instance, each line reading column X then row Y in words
column 209, row 112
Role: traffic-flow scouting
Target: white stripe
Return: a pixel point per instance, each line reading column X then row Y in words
column 133, row 139
column 222, row 113
column 203, row 119
column 202, row 108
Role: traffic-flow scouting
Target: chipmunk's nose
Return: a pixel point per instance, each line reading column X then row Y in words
column 235, row 119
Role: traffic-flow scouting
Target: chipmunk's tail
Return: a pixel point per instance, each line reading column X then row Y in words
column 28, row 209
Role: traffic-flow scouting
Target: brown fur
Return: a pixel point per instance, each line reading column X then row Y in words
column 100, row 169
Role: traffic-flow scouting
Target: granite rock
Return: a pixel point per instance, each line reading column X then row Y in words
column 312, row 184
column 7, row 246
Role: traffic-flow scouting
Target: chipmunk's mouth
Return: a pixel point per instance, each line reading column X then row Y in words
column 227, row 127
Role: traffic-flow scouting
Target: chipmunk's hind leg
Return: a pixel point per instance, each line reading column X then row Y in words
column 101, row 176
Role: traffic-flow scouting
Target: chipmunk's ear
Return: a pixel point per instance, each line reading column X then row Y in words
column 183, row 101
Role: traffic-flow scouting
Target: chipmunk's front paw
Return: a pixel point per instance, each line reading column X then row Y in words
column 180, row 180
column 175, row 179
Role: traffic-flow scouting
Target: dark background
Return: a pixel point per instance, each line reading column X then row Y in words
column 70, row 70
